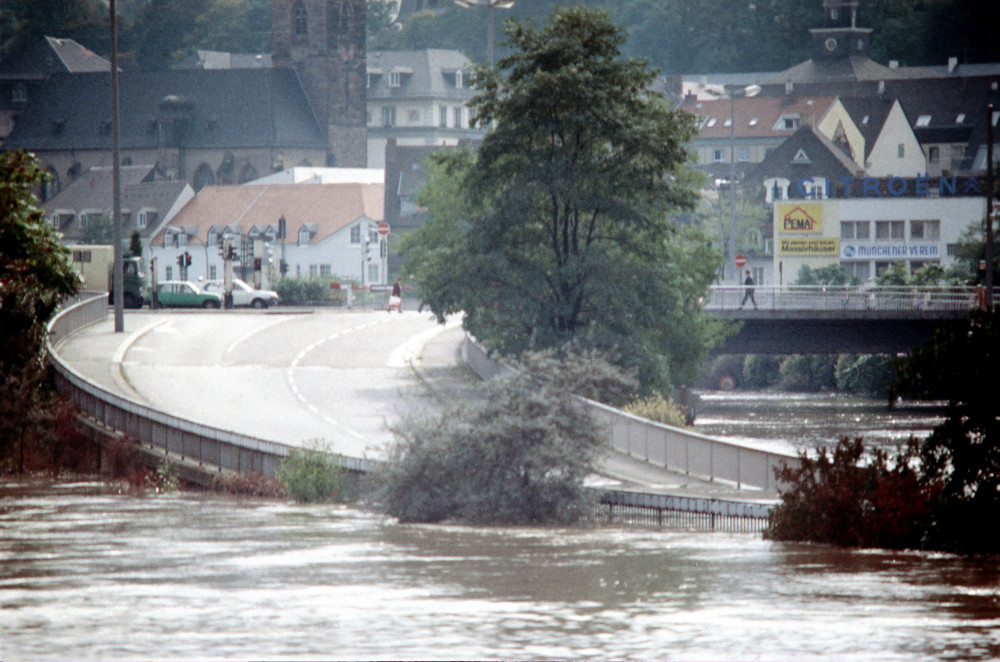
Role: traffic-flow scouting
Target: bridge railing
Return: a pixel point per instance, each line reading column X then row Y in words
column 849, row 297
column 671, row 448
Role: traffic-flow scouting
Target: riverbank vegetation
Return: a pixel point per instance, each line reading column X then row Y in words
column 864, row 374
column 943, row 494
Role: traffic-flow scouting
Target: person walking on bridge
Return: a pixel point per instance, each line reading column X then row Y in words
column 748, row 292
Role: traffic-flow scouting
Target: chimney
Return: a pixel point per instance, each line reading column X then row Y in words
column 789, row 86
column 894, row 64
column 952, row 64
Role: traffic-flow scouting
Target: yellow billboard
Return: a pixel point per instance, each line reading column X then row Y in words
column 809, row 246
column 803, row 217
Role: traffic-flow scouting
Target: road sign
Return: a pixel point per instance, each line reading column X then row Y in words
column 383, row 228
column 740, row 260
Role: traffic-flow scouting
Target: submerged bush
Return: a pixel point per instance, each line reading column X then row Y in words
column 854, row 498
column 517, row 456
column 313, row 475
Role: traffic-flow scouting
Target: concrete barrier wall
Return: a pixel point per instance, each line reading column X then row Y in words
column 665, row 446
column 213, row 448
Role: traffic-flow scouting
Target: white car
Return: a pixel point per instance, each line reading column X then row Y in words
column 243, row 294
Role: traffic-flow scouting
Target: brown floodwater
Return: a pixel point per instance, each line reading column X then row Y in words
column 87, row 575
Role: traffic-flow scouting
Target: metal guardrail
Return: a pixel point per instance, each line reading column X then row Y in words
column 702, row 513
column 959, row 298
column 210, row 447
column 666, row 446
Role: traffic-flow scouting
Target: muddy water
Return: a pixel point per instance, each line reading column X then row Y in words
column 86, row 574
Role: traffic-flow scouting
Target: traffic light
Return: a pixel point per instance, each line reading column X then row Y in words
column 256, row 264
column 180, row 261
column 368, row 250
column 283, row 267
column 187, row 259
column 268, row 254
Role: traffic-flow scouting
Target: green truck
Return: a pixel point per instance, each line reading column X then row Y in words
column 135, row 285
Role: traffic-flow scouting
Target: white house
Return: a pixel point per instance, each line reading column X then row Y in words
column 330, row 231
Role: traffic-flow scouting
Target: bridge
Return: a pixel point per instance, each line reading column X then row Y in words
column 839, row 319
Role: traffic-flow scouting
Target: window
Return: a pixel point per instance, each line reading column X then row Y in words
column 719, row 155
column 859, row 270
column 926, row 230
column 901, row 150
column 388, row 116
column 19, row 93
column 145, row 217
column 889, row 229
column 413, row 117
column 325, row 270
column 170, row 273
column 934, row 154
column 458, row 117
column 300, row 19
column 924, row 120
column 394, row 79
column 444, row 117
column 356, row 234
column 743, row 154
column 213, row 272
column 459, row 79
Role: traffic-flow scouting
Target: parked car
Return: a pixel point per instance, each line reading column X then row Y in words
column 243, row 294
column 185, row 294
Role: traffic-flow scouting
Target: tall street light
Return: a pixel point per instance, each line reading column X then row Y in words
column 734, row 91
column 490, row 6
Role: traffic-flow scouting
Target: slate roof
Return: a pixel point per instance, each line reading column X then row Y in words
column 869, row 115
column 93, row 191
column 51, row 55
column 825, row 159
column 842, row 70
column 248, row 108
column 327, row 208
column 427, row 73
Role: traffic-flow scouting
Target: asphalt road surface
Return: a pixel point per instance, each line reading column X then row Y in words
column 340, row 378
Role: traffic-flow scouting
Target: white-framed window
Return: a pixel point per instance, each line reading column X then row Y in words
column 394, row 79
column 145, row 217
column 388, row 116
column 313, row 270
column 890, row 229
column 901, row 150
column 934, row 154
column 169, row 273
column 743, row 154
column 719, row 155
column 855, row 229
column 925, row 230
column 356, row 233
column 860, row 270
column 443, row 119
column 459, row 79
column 325, row 270
column 213, row 272
column 457, row 111
column 304, row 235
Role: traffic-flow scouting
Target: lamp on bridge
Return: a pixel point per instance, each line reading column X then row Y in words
column 733, row 91
column 490, row 6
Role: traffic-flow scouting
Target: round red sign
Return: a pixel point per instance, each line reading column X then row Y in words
column 740, row 260
column 383, row 228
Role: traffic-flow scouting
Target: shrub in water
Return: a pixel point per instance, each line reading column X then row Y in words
column 517, row 456
column 660, row 409
column 312, row 475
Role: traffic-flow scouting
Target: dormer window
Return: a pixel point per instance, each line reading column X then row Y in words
column 394, row 79
column 960, row 118
column 459, row 79
column 19, row 94
column 710, row 123
column 924, row 120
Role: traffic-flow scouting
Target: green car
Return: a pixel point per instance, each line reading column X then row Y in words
column 185, row 294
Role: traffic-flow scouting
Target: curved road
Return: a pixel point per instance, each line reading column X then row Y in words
column 340, row 377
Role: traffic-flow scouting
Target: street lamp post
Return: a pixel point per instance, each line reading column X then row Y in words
column 733, row 91
column 490, row 6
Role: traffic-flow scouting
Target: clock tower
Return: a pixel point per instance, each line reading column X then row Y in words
column 840, row 38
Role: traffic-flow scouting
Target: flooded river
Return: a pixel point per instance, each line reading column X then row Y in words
column 88, row 574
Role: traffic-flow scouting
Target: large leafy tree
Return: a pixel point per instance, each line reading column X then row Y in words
column 35, row 276
column 565, row 230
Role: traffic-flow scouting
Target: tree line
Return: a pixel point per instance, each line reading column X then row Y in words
column 676, row 36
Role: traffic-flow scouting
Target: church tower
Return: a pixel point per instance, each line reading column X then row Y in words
column 841, row 38
column 324, row 41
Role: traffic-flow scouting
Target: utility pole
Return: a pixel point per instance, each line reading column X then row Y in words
column 990, row 185
column 116, row 184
